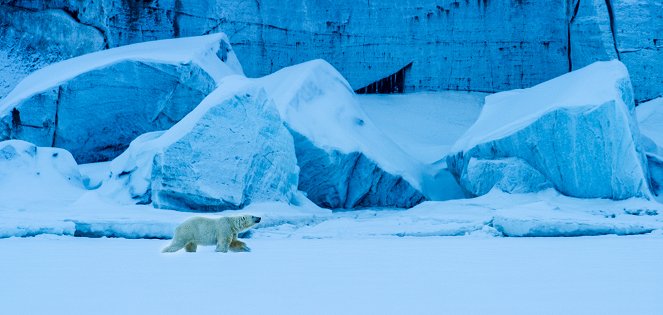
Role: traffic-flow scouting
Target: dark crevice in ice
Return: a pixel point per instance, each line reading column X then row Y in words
column 611, row 15
column 568, row 37
column 394, row 83
column 55, row 122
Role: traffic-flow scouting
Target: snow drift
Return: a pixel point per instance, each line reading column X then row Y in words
column 34, row 174
column 95, row 104
column 233, row 149
column 578, row 130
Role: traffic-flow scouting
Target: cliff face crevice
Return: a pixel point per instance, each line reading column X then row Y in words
column 611, row 16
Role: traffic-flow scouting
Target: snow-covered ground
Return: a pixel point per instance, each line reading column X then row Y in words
column 433, row 275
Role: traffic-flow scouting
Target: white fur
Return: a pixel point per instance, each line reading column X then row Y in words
column 221, row 232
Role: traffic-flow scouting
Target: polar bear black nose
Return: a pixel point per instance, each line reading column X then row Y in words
column 257, row 219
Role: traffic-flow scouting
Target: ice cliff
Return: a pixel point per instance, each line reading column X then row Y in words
column 417, row 45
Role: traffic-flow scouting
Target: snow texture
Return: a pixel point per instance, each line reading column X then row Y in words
column 31, row 174
column 578, row 130
column 71, row 105
column 232, row 150
column 603, row 275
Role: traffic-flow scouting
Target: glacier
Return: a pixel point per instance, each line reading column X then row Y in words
column 578, row 130
column 484, row 46
column 79, row 103
column 232, row 150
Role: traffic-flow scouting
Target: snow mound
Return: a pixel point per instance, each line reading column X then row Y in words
column 578, row 130
column 34, row 174
column 78, row 104
column 233, row 149
column 345, row 160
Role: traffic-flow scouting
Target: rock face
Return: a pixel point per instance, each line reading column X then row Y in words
column 345, row 160
column 459, row 45
column 233, row 149
column 583, row 138
column 94, row 105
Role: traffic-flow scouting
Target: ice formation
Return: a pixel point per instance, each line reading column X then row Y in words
column 579, row 131
column 94, row 105
column 233, row 149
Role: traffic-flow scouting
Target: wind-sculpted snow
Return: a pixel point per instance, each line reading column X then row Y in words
column 578, row 130
column 232, row 150
column 94, row 105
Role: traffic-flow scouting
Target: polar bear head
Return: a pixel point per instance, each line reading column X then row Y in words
column 245, row 221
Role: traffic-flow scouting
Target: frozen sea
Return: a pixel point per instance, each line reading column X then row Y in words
column 407, row 275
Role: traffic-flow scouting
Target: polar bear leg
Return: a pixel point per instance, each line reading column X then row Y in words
column 223, row 243
column 191, row 247
column 239, row 246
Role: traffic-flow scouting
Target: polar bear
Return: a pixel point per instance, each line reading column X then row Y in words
column 207, row 231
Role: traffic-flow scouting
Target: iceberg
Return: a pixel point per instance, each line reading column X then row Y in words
column 95, row 104
column 578, row 130
column 232, row 150
column 345, row 160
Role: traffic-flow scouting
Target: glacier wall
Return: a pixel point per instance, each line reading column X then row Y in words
column 451, row 44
